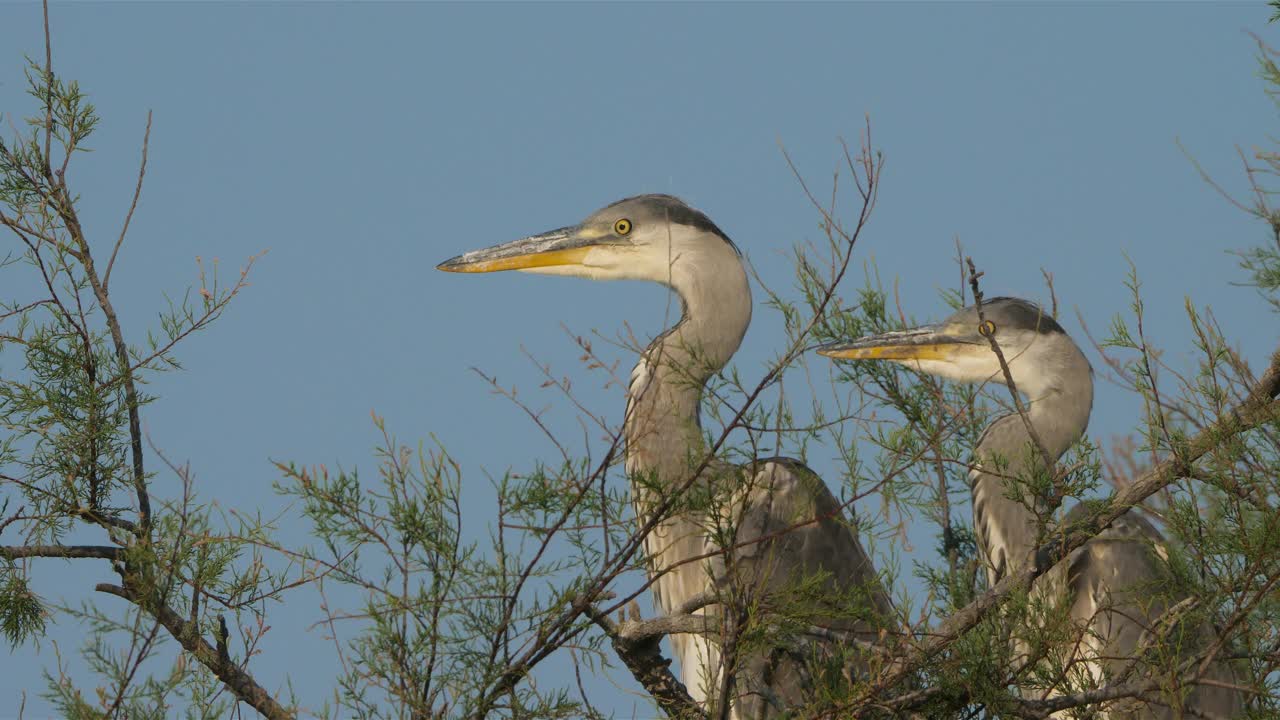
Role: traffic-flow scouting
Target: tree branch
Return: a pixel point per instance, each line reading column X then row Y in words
column 65, row 208
column 641, row 653
column 234, row 677
column 104, row 552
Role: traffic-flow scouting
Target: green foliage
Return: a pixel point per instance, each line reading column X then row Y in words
column 71, row 465
column 443, row 621
column 1263, row 266
column 21, row 613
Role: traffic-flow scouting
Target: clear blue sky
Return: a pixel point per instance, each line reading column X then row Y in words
column 362, row 144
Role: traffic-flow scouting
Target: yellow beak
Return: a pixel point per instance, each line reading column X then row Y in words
column 566, row 246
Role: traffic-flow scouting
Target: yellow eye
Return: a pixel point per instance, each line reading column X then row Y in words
column 622, row 226
column 987, row 328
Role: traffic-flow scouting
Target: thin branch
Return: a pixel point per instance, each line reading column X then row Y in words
column 232, row 675
column 24, row 308
column 48, row 79
column 137, row 191
column 65, row 208
column 1049, row 462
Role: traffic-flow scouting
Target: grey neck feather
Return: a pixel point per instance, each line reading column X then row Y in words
column 1006, row 528
column 662, row 428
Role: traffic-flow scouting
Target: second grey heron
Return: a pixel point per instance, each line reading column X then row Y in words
column 789, row 526
column 1112, row 587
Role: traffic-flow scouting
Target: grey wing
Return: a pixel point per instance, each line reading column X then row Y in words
column 813, row 584
column 1120, row 600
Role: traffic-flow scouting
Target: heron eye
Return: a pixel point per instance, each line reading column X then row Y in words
column 622, row 226
column 987, row 328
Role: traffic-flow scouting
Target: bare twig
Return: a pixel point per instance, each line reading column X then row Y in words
column 1049, row 462
column 137, row 192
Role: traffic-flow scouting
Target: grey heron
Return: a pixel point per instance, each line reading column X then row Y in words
column 789, row 526
column 1112, row 586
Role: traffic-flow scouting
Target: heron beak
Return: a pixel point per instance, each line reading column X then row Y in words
column 566, row 246
column 930, row 342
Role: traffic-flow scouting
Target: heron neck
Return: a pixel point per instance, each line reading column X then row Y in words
column 1061, row 415
column 1006, row 528
column 662, row 426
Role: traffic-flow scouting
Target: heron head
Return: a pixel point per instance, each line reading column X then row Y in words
column 1037, row 350
column 647, row 237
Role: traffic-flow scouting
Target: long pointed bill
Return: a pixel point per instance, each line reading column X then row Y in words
column 566, row 246
column 931, row 342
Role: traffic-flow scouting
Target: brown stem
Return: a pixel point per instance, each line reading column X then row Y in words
column 643, row 657
column 104, row 552
column 66, row 211
column 188, row 635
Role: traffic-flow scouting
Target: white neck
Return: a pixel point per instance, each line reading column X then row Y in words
column 662, row 426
